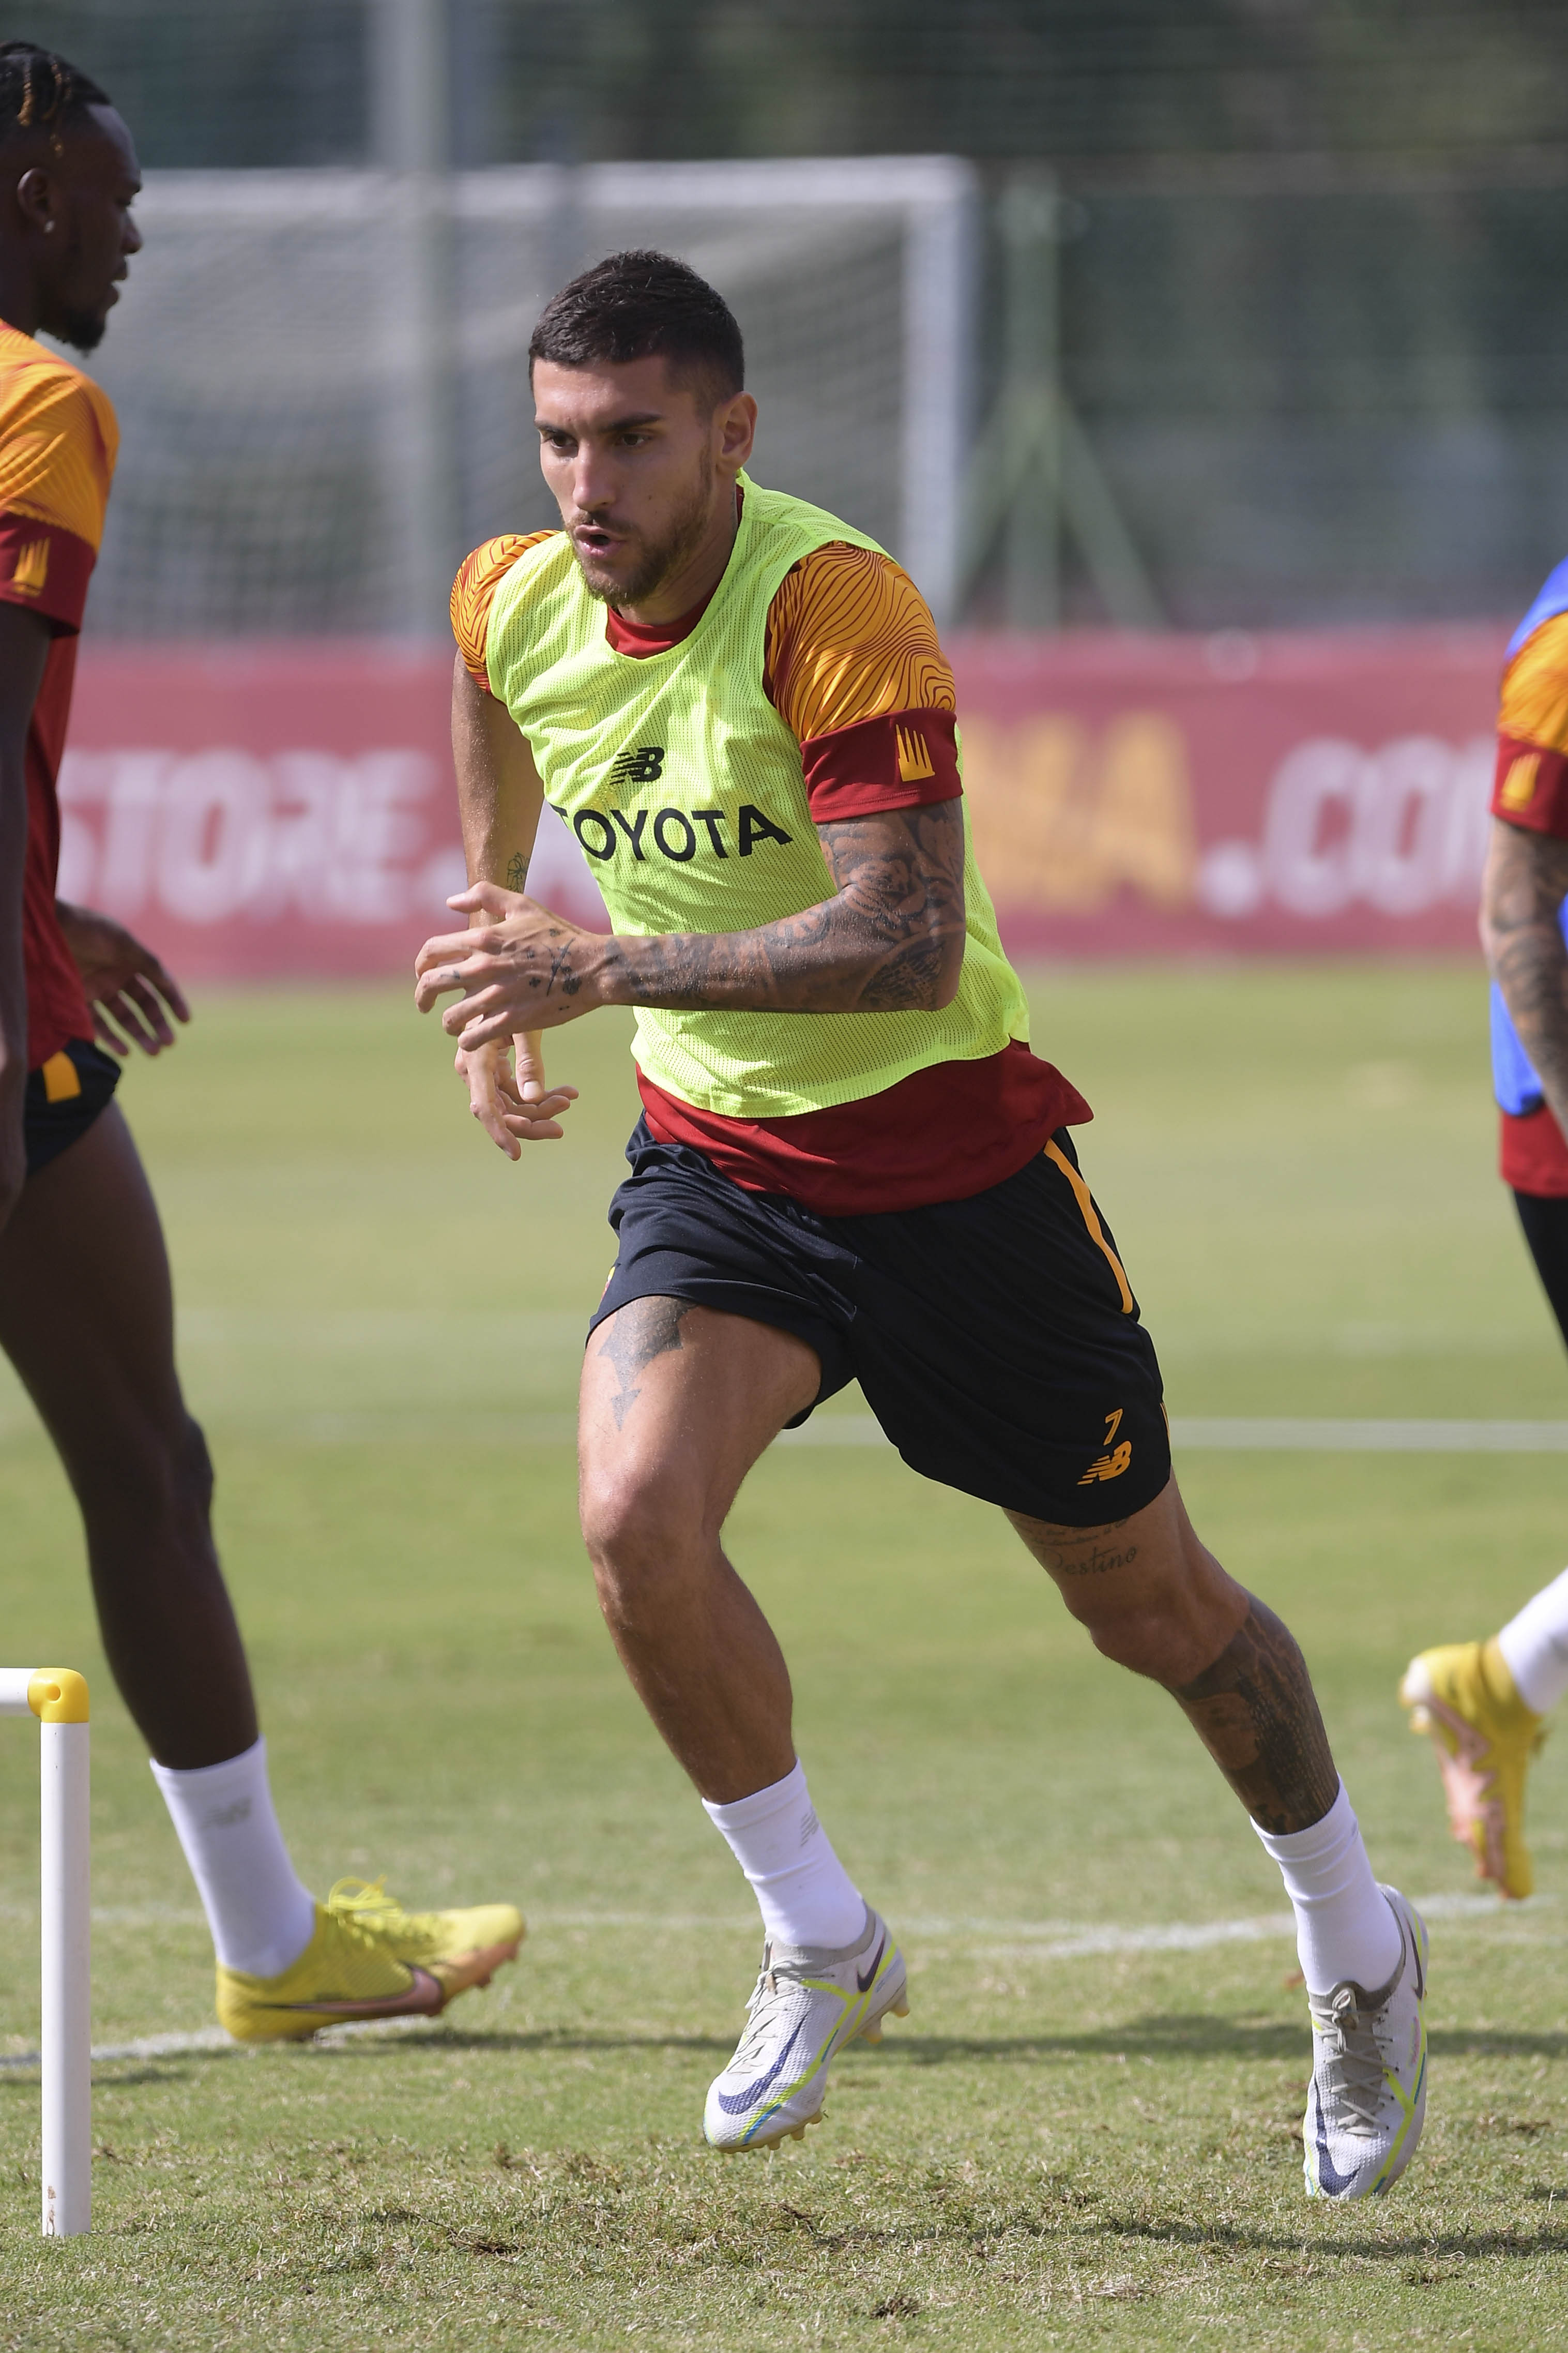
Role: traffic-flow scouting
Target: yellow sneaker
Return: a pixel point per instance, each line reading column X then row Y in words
column 369, row 1958
column 1464, row 1695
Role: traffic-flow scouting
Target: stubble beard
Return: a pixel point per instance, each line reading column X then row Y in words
column 660, row 561
column 82, row 330
column 79, row 328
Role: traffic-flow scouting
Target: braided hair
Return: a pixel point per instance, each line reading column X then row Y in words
column 40, row 92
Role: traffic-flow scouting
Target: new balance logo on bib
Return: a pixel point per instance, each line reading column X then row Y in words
column 643, row 767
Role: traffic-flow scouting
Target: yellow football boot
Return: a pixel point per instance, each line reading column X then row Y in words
column 1484, row 1735
column 369, row 1958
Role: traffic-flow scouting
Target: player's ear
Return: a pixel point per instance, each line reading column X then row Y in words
column 38, row 199
column 736, row 423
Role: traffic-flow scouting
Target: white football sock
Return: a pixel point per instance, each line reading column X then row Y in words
column 260, row 1916
column 807, row 1896
column 1345, row 1926
column 1535, row 1645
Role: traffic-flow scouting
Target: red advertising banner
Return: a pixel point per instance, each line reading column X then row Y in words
column 272, row 810
column 1276, row 794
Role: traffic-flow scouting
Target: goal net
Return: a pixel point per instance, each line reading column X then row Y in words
column 322, row 385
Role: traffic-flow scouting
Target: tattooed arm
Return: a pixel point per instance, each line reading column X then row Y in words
column 1525, row 883
column 498, row 799
column 889, row 940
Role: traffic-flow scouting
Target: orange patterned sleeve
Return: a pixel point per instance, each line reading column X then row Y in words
column 58, row 446
column 1530, row 788
column 473, row 593
column 855, row 670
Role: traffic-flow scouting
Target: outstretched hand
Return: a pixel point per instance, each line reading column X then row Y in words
column 512, row 1104
column 125, row 983
column 522, row 971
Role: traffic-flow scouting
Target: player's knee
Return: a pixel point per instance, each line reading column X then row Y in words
column 1139, row 1639
column 192, row 1470
column 151, row 1483
column 1170, row 1632
column 640, row 1532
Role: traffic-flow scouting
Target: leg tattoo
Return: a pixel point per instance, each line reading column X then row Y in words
column 1255, row 1713
column 639, row 1332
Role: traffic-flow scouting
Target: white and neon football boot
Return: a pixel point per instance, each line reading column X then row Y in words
column 1367, row 2099
column 808, row 2003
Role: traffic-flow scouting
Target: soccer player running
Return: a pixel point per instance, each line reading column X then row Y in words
column 1483, row 1702
column 849, row 1166
column 86, row 1314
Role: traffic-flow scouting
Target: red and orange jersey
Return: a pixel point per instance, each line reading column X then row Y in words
column 854, row 671
column 58, row 440
column 852, row 665
column 1531, row 784
column 57, row 446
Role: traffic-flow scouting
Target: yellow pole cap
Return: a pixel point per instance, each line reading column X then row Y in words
column 58, row 1695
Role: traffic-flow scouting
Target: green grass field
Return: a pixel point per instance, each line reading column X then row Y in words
column 381, row 1321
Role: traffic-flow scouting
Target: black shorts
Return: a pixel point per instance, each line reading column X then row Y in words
column 997, row 1339
column 1544, row 1218
column 47, row 1128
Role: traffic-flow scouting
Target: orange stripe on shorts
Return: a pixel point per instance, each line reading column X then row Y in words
column 1091, row 1219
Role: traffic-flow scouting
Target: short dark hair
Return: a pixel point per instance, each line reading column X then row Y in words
column 41, row 91
column 638, row 306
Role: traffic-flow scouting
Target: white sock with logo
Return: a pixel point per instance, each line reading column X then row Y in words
column 1345, row 1926
column 262, row 1917
column 1535, row 1645
column 807, row 1895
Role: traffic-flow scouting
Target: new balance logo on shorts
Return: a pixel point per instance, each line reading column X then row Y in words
column 1115, row 1459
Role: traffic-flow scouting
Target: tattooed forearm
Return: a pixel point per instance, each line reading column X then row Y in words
column 637, row 1332
column 891, row 940
column 516, row 871
column 1523, row 889
column 1254, row 1711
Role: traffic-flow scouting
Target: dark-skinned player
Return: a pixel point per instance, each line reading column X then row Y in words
column 86, row 1311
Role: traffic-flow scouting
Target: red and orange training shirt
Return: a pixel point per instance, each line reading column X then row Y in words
column 854, row 668
column 1531, row 790
column 57, row 445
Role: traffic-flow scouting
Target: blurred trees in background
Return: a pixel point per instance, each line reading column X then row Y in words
column 283, row 81
column 1309, row 306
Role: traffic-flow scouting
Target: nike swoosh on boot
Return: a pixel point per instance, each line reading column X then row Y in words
column 732, row 2102
column 423, row 1997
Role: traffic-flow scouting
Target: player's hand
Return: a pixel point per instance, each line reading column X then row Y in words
column 521, row 970
column 124, row 982
column 513, row 1106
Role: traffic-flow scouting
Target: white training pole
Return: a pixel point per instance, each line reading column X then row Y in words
column 58, row 1697
column 68, row 2069
column 15, row 1685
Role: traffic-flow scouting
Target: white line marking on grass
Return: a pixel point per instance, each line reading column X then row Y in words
column 205, row 2039
column 1286, row 1433
column 122, row 1915
column 1040, row 1940
column 146, row 2046
column 1293, row 1435
column 1056, row 1939
column 1189, row 1434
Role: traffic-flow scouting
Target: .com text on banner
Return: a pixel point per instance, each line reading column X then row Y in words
column 273, row 811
